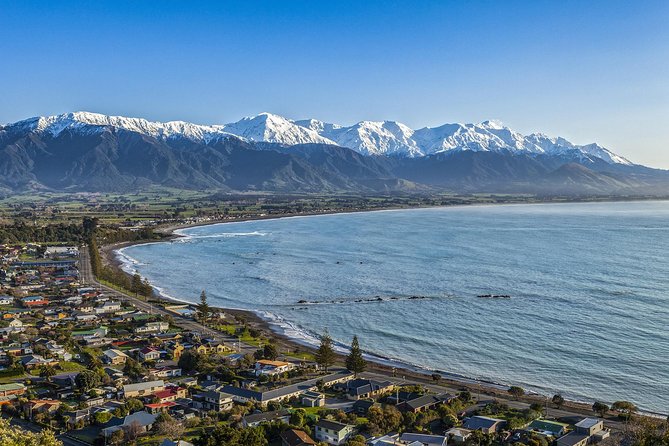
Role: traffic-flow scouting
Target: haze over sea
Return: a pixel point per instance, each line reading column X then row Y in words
column 589, row 287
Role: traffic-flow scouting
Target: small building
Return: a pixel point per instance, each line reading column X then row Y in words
column 361, row 407
column 153, row 327
column 367, row 388
column 12, row 389
column 34, row 301
column 423, row 439
column 573, row 439
column 257, row 419
column 458, row 434
column 293, row 437
column 332, row 432
column 547, row 428
column 217, row 401
column 267, row 367
column 143, row 389
column 313, row 399
column 114, row 356
column 6, row 300
column 149, row 354
column 486, row 425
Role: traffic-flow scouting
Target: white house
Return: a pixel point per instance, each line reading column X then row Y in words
column 267, row 367
column 153, row 327
column 332, row 432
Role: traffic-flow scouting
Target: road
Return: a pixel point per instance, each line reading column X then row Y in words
column 88, row 279
column 189, row 324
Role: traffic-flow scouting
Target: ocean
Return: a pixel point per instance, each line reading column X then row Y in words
column 588, row 285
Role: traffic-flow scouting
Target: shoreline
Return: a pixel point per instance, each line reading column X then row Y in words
column 272, row 327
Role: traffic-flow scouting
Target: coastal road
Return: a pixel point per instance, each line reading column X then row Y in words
column 88, row 279
column 189, row 324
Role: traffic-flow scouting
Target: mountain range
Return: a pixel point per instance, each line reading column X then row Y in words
column 93, row 152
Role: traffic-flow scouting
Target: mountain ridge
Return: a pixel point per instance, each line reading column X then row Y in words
column 92, row 152
column 388, row 138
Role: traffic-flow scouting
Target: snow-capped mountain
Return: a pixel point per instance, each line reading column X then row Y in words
column 95, row 122
column 388, row 138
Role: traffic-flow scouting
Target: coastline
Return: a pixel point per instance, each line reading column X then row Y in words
column 273, row 328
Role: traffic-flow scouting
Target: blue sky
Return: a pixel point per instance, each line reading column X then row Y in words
column 592, row 71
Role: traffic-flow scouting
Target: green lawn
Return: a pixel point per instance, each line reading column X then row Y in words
column 71, row 366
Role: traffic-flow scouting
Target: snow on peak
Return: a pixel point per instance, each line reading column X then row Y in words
column 95, row 122
column 274, row 128
column 388, row 138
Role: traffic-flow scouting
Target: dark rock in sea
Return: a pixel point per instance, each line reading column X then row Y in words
column 302, row 301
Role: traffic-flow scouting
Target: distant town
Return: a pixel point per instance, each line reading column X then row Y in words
column 93, row 361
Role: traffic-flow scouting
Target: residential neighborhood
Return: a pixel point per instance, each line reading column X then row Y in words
column 102, row 367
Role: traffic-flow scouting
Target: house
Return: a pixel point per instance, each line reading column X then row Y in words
column 170, row 394
column 217, row 401
column 257, row 419
column 175, row 349
column 142, row 419
column 361, row 407
column 267, row 367
column 61, row 251
column 114, row 356
column 589, row 426
column 367, row 388
column 143, row 389
column 332, row 432
column 34, row 301
column 293, row 437
column 242, row 395
column 547, row 428
column 159, row 407
column 16, row 323
column 588, row 430
column 108, row 307
column 32, row 408
column 149, row 354
column 313, row 399
column 153, row 327
column 6, row 300
column 486, row 425
column 166, row 372
column 573, row 439
column 423, row 439
column 423, row 403
column 32, row 361
column 458, row 434
column 59, row 351
column 12, row 389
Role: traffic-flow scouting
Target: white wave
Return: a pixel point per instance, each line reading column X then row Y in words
column 187, row 238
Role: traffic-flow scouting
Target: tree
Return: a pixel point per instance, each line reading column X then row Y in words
column 15, row 436
column 325, row 355
column 203, row 309
column 354, row 361
column 87, row 379
column 436, row 377
column 192, row 360
column 168, row 427
column 117, row 437
column 298, row 417
column 47, row 371
column 133, row 430
column 558, row 400
column 624, row 407
column 100, row 418
column 516, row 391
column 356, row 440
column 136, row 283
column 270, row 352
column 133, row 369
column 600, row 408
